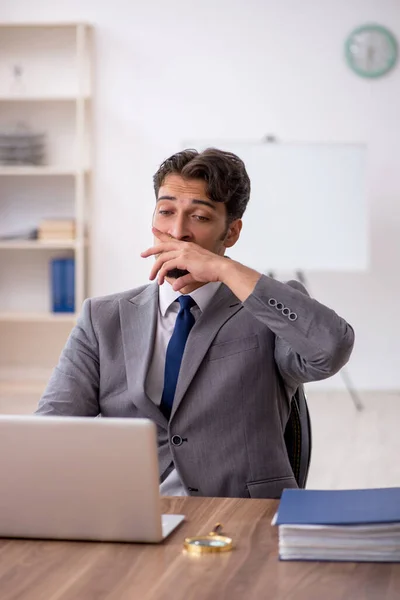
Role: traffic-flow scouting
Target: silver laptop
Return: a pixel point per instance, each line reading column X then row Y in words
column 77, row 478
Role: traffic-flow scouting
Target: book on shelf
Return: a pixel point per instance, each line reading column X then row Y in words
column 55, row 236
column 56, row 229
column 63, row 285
column 339, row 525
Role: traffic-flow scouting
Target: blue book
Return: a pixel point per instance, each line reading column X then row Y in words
column 69, row 285
column 340, row 525
column 339, row 507
column 63, row 285
column 57, row 285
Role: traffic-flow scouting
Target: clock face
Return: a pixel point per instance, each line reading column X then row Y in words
column 371, row 50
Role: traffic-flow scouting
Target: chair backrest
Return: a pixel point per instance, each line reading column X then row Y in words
column 298, row 437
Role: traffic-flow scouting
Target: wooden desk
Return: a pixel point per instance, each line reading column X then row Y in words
column 46, row 570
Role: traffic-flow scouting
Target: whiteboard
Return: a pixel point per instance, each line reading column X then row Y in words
column 307, row 208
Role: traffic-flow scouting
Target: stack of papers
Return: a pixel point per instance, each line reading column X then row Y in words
column 340, row 525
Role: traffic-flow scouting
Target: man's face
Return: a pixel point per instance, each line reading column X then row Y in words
column 185, row 212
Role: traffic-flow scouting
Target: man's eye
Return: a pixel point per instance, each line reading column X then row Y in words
column 164, row 212
column 201, row 218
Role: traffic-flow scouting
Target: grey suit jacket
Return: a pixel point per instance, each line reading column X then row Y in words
column 242, row 364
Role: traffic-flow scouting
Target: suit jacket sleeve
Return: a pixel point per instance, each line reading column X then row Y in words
column 315, row 343
column 74, row 384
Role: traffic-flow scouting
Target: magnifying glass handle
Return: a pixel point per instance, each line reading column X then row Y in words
column 217, row 529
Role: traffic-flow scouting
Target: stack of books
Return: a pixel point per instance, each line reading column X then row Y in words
column 339, row 525
column 56, row 229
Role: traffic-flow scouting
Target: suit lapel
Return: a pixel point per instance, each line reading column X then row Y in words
column 138, row 318
column 223, row 306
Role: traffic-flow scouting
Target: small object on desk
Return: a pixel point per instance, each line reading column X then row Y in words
column 215, row 541
column 340, row 525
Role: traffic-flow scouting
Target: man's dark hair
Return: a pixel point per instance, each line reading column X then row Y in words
column 224, row 173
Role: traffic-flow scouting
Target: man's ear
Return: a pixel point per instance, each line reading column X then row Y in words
column 233, row 233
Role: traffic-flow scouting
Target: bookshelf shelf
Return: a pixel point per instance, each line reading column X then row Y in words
column 38, row 317
column 45, row 86
column 42, row 98
column 39, row 245
column 44, row 25
column 16, row 381
column 40, row 171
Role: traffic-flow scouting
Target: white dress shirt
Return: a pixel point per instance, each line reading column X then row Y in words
column 167, row 312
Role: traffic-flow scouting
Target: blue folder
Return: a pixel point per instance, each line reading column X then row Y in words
column 339, row 507
column 63, row 285
column 69, row 285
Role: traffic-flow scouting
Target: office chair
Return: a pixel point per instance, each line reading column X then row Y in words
column 298, row 437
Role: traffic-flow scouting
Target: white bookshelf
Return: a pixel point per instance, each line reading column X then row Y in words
column 46, row 84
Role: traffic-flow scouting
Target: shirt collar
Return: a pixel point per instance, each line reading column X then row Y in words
column 202, row 296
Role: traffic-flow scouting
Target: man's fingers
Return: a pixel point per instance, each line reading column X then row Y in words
column 181, row 282
column 161, row 260
column 161, row 235
column 174, row 262
column 163, row 247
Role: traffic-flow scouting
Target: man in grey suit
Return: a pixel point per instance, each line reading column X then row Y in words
column 216, row 372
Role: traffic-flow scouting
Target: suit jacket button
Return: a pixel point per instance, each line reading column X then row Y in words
column 280, row 306
column 176, row 440
column 292, row 316
column 272, row 302
column 286, row 312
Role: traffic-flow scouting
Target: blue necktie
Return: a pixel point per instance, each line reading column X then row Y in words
column 183, row 324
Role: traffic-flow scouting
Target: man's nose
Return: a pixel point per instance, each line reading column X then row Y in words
column 180, row 229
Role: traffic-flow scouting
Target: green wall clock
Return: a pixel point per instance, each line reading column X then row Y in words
column 371, row 50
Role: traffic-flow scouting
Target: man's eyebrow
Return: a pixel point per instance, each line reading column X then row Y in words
column 166, row 198
column 205, row 202
column 194, row 201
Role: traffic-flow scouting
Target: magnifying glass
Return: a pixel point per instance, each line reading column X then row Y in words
column 213, row 542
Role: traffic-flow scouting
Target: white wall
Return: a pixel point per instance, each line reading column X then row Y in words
column 174, row 70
